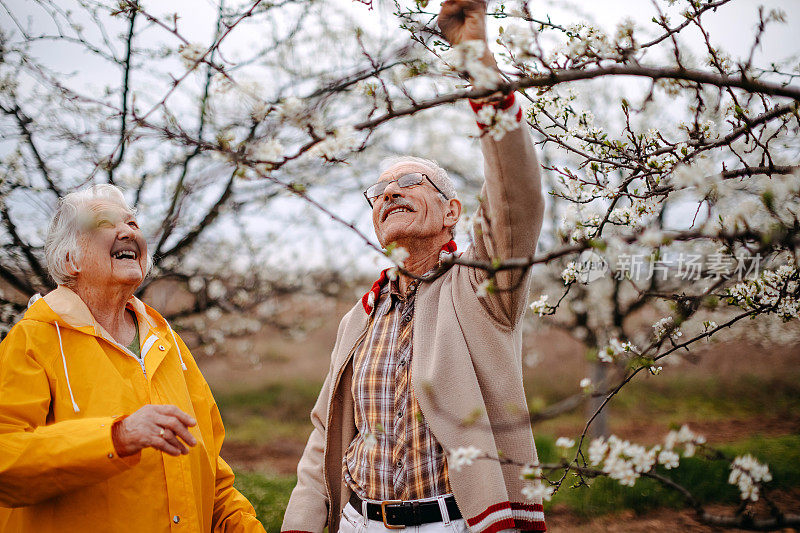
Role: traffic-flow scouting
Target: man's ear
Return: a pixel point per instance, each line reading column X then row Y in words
column 452, row 213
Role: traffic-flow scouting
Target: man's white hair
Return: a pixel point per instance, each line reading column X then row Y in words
column 437, row 174
column 62, row 247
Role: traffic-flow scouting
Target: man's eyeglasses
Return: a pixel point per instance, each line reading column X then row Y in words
column 406, row 180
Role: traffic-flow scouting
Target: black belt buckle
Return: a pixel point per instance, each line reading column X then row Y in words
column 386, row 524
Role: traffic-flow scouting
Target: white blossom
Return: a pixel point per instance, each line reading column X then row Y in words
column 624, row 35
column 668, row 459
column 570, row 273
column 597, row 450
column 530, row 471
column 772, row 289
column 586, row 40
column 747, row 473
column 191, row 54
column 651, row 238
column 684, row 437
column 664, row 325
column 614, row 349
column 462, row 456
column 216, row 290
column 260, row 110
column 336, row 144
column 586, row 384
column 221, row 83
column 225, row 138
column 518, row 37
column 466, row 57
column 621, row 460
column 270, row 150
column 689, row 449
column 292, row 110
column 398, row 255
column 540, row 306
column 485, row 288
column 498, row 121
column 701, row 175
column 564, row 442
column 537, row 491
column 196, row 284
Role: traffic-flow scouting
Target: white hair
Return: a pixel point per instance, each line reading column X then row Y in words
column 62, row 247
column 438, row 175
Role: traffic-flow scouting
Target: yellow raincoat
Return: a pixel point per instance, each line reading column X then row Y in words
column 63, row 383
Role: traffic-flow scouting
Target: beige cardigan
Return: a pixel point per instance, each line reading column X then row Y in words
column 467, row 365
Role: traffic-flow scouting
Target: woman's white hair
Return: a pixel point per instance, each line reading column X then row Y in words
column 62, row 247
column 437, row 174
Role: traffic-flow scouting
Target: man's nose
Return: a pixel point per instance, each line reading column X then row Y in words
column 393, row 190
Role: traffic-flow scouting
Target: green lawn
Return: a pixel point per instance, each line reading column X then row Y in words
column 269, row 496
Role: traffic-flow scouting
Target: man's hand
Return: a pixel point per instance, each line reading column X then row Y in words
column 465, row 20
column 154, row 426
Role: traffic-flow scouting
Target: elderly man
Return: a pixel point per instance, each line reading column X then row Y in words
column 423, row 368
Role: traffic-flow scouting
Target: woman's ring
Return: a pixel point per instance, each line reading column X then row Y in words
column 161, row 433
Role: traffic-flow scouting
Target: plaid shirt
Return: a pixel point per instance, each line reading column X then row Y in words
column 394, row 455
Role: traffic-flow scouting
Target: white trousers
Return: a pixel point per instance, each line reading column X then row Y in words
column 353, row 522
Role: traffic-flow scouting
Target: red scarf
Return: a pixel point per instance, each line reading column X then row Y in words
column 369, row 299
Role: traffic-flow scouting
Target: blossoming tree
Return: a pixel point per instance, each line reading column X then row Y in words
column 671, row 166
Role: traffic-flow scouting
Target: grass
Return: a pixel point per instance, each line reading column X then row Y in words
column 711, row 398
column 685, row 399
column 269, row 496
column 286, row 400
column 278, row 411
column 708, row 481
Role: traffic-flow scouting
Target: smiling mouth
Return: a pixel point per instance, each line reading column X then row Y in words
column 125, row 254
column 394, row 210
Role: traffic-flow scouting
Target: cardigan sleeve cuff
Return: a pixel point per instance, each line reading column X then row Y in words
column 498, row 115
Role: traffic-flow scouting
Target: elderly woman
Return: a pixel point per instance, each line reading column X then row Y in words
column 106, row 423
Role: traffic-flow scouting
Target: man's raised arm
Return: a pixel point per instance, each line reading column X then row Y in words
column 509, row 219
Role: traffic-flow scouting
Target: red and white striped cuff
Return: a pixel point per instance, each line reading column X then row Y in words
column 521, row 516
column 508, row 104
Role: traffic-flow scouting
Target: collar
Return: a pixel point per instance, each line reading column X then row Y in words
column 371, row 297
column 74, row 312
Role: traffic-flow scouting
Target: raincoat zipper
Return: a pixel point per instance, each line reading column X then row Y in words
column 147, row 344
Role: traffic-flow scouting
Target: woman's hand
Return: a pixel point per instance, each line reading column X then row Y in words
column 162, row 427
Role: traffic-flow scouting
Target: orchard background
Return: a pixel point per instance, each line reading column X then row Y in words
column 661, row 348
